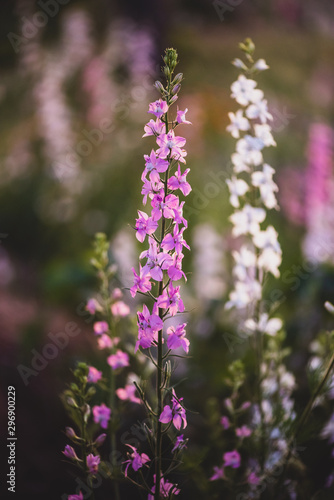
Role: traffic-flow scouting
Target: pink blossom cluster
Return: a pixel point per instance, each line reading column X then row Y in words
column 162, row 261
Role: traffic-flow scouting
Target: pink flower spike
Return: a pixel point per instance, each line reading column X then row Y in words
column 218, row 473
column 177, row 338
column 178, row 181
column 93, row 463
column 128, row 394
column 69, row 452
column 120, row 310
column 100, row 327
column 136, row 460
column 104, row 342
column 171, row 145
column 75, row 497
column 141, row 282
column 118, row 360
column 181, row 117
column 94, row 375
column 101, row 415
column 158, row 108
column 144, row 225
column 154, row 128
column 232, row 459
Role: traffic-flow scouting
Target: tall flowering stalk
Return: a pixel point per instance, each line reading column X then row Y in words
column 159, row 271
column 252, row 193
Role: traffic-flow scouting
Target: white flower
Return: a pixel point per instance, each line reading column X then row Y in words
column 244, row 91
column 247, row 220
column 270, row 261
column 263, row 180
column 265, row 325
column 260, row 65
column 244, row 294
column 245, row 260
column 263, row 132
column 237, row 187
column 259, row 110
column 249, row 148
column 239, row 163
column 267, row 239
column 238, row 122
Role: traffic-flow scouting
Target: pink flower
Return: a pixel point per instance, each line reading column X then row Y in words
column 243, row 431
column 177, row 338
column 104, row 342
column 218, row 473
column 75, row 497
column 174, row 270
column 101, row 415
column 225, row 422
column 94, row 375
column 158, row 108
column 93, row 463
column 69, row 452
column 100, row 439
column 178, row 181
column 117, row 294
column 170, row 145
column 181, row 116
column 167, row 489
column 141, row 281
column 92, row 306
column 174, row 240
column 154, row 127
column 155, row 261
column 128, row 393
column 100, row 327
column 120, row 309
column 180, row 443
column 150, row 189
column 171, row 300
column 177, row 413
column 135, row 460
column 118, row 360
column 148, row 326
column 153, row 166
column 144, row 225
column 232, row 459
column 164, row 206
column 253, row 478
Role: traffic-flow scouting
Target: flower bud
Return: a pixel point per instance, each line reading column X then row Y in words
column 69, row 452
column 173, row 99
column 158, row 85
column 70, row 433
column 178, row 79
column 71, row 402
column 176, row 89
column 239, row 64
column 100, row 439
column 260, row 65
column 329, row 306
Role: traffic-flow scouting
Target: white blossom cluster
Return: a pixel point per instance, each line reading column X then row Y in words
column 252, row 192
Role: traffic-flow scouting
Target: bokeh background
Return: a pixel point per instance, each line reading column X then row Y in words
column 76, row 80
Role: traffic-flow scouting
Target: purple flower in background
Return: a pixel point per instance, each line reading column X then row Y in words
column 158, row 108
column 94, row 375
column 92, row 306
column 178, row 181
column 100, row 327
column 243, row 431
column 177, row 338
column 232, row 459
column 136, row 460
column 128, row 393
column 218, row 473
column 120, row 309
column 105, row 342
column 75, row 497
column 225, row 422
column 118, row 360
column 101, row 415
column 93, row 463
column 176, row 413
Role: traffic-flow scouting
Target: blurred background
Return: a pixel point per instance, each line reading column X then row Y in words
column 76, row 79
